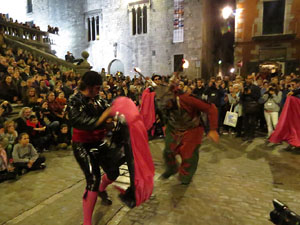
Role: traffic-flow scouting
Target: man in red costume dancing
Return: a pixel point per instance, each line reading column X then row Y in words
column 184, row 130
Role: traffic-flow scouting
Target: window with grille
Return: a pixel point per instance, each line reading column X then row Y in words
column 178, row 21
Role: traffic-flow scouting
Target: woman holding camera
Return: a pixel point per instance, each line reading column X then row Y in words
column 272, row 99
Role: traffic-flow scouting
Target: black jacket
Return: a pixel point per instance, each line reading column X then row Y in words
column 84, row 112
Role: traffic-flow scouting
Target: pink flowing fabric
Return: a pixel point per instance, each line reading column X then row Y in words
column 143, row 164
column 147, row 108
column 288, row 127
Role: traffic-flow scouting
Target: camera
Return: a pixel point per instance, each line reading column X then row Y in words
column 282, row 215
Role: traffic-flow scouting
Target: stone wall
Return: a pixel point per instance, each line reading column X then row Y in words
column 68, row 17
column 153, row 52
column 249, row 25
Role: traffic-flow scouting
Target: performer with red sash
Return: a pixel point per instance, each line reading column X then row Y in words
column 87, row 115
column 184, row 130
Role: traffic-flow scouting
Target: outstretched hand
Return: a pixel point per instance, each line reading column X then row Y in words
column 213, row 135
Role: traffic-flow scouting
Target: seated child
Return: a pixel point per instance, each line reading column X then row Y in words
column 39, row 136
column 6, row 169
column 11, row 134
column 2, row 136
column 25, row 156
column 63, row 138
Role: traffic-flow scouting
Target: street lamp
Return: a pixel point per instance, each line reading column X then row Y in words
column 227, row 12
column 185, row 64
column 220, row 67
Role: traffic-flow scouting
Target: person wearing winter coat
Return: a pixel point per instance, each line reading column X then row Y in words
column 272, row 99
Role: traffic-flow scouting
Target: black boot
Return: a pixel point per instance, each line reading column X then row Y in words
column 128, row 198
column 168, row 172
column 104, row 197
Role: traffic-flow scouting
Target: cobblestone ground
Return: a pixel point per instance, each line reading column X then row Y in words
column 234, row 184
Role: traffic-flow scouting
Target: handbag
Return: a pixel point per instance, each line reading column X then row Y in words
column 231, row 118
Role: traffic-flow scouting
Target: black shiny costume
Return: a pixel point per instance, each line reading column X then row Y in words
column 83, row 114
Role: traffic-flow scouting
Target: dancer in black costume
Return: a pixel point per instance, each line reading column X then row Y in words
column 87, row 115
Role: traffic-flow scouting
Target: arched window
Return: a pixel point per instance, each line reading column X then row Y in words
column 97, row 27
column 145, row 19
column 133, row 21
column 139, row 20
column 89, row 29
column 93, row 29
column 93, row 25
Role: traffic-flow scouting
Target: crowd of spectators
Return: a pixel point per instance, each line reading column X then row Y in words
column 257, row 101
column 52, row 30
column 43, row 89
column 26, row 24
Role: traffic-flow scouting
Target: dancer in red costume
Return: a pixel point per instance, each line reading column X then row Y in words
column 184, row 130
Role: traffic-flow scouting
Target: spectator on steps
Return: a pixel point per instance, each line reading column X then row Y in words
column 24, row 114
column 25, row 156
column 63, row 138
column 11, row 134
column 69, row 57
column 6, row 169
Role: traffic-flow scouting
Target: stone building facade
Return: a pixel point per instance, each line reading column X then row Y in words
column 105, row 28
column 267, row 36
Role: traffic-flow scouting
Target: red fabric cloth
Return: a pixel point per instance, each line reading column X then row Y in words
column 147, row 108
column 87, row 136
column 143, row 164
column 288, row 127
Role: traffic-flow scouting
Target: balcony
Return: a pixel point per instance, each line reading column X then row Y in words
column 286, row 36
column 274, row 37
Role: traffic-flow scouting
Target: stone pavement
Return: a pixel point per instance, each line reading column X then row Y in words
column 234, row 184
